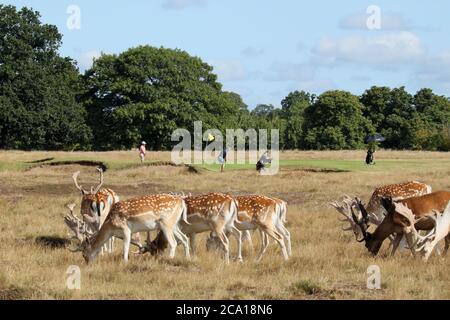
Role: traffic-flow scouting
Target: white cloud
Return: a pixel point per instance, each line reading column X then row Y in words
column 286, row 71
column 86, row 59
column 389, row 21
column 229, row 70
column 252, row 52
column 182, row 4
column 381, row 51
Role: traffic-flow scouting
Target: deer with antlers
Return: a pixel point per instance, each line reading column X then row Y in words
column 214, row 212
column 375, row 211
column 160, row 212
column 268, row 215
column 95, row 206
column 405, row 217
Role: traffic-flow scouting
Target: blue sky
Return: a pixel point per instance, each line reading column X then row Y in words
column 263, row 49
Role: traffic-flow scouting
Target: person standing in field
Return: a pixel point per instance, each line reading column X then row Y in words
column 265, row 158
column 142, row 151
column 223, row 159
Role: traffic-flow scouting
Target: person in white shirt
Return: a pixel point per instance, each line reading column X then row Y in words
column 142, row 151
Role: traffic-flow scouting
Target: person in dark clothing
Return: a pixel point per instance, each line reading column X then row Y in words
column 370, row 152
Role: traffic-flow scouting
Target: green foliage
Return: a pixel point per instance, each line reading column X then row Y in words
column 293, row 107
column 147, row 92
column 335, row 121
column 38, row 88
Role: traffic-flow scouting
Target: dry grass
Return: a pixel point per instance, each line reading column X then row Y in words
column 326, row 263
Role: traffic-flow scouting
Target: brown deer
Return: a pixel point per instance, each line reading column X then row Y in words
column 375, row 210
column 265, row 214
column 214, row 212
column 161, row 212
column 421, row 209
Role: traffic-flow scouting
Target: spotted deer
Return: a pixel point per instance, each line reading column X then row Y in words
column 265, row 214
column 161, row 212
column 95, row 206
column 375, row 211
column 420, row 208
column 214, row 212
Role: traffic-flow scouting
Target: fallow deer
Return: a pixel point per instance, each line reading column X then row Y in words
column 421, row 207
column 375, row 210
column 214, row 212
column 161, row 212
column 440, row 232
column 265, row 214
column 95, row 206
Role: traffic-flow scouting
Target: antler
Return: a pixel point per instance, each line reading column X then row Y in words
column 75, row 177
column 93, row 190
column 78, row 226
column 344, row 208
column 97, row 189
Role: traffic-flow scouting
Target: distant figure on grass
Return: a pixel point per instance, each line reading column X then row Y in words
column 142, row 151
column 223, row 159
column 370, row 152
column 261, row 164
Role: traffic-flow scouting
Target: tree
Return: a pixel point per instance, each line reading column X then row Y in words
column 432, row 121
column 38, row 88
column 392, row 113
column 147, row 92
column 335, row 121
column 293, row 107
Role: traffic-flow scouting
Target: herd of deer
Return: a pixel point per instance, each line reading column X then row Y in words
column 398, row 212
column 178, row 218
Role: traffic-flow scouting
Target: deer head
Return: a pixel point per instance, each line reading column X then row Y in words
column 82, row 233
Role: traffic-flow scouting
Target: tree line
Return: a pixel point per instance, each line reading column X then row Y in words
column 145, row 93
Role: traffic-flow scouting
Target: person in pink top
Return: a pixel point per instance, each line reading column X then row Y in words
column 142, row 151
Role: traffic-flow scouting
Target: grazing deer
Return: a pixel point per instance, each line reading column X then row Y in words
column 441, row 231
column 375, row 210
column 421, row 209
column 95, row 206
column 215, row 212
column 161, row 212
column 265, row 214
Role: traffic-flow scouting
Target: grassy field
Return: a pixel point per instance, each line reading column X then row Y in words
column 326, row 264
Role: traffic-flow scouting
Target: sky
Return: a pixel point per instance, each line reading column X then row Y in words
column 264, row 49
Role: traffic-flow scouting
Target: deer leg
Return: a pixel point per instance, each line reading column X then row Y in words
column 126, row 243
column 264, row 244
column 169, row 234
column 286, row 235
column 238, row 235
column 278, row 238
column 395, row 243
column 183, row 239
column 224, row 243
column 192, row 243
column 411, row 242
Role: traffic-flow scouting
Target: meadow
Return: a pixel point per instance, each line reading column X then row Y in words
column 327, row 263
